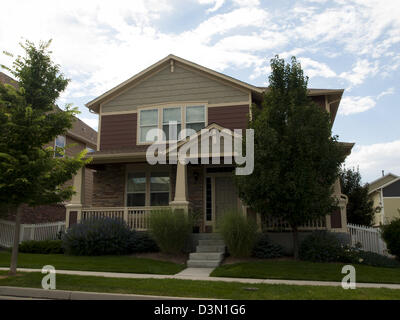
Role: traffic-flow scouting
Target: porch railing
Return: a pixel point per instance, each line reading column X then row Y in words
column 137, row 218
column 278, row 224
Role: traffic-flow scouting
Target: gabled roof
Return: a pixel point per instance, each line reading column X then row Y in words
column 170, row 59
column 382, row 182
column 8, row 80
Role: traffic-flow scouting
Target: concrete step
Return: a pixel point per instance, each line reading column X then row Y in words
column 211, row 242
column 210, row 249
column 209, row 236
column 206, row 256
column 203, row 263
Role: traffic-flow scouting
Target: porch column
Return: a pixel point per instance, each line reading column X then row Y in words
column 78, row 198
column 180, row 200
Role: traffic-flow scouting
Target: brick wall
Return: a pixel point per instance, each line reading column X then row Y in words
column 41, row 214
column 109, row 186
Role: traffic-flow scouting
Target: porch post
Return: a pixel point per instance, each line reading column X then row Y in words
column 180, row 200
column 78, row 198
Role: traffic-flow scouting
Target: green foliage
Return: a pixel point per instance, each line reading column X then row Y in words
column 170, row 229
column 238, row 232
column 321, row 246
column 265, row 249
column 391, row 235
column 29, row 119
column 96, row 237
column 296, row 159
column 43, row 247
column 141, row 241
column 360, row 208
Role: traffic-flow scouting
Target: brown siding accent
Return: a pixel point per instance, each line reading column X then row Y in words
column 336, row 219
column 73, row 147
column 119, row 132
column 109, row 186
column 232, row 117
column 319, row 100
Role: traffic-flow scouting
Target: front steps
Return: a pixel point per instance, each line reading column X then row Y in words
column 209, row 253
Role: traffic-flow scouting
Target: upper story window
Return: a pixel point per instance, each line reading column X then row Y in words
column 195, row 118
column 59, row 143
column 172, row 120
column 148, row 121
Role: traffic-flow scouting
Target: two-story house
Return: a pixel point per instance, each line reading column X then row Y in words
column 177, row 91
column 79, row 137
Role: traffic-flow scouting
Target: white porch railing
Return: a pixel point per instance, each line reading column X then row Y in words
column 279, row 224
column 40, row 231
column 369, row 238
column 137, row 218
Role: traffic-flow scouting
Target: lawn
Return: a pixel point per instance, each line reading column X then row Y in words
column 199, row 289
column 302, row 270
column 101, row 263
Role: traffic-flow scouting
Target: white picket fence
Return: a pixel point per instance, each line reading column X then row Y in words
column 369, row 238
column 40, row 231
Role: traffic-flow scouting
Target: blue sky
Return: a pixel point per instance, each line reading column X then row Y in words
column 349, row 44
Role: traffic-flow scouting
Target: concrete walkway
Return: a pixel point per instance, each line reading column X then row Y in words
column 203, row 274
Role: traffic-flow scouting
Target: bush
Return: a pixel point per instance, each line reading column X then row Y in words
column 141, row 241
column 391, row 235
column 239, row 233
column 170, row 229
column 265, row 249
column 44, row 247
column 321, row 246
column 96, row 237
column 327, row 247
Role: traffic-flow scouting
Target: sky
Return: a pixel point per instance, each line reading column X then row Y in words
column 341, row 44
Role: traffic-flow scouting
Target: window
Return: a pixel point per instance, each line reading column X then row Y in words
column 59, row 143
column 159, row 189
column 136, row 190
column 171, row 119
column 148, row 121
column 195, row 118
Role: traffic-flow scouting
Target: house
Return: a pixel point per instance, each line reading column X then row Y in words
column 194, row 97
column 385, row 193
column 79, row 137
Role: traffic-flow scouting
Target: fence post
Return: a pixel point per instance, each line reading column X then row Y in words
column 21, row 232
column 32, row 233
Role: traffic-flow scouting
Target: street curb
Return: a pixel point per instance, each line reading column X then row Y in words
column 79, row 295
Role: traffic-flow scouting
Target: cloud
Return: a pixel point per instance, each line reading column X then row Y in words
column 314, row 68
column 351, row 105
column 374, row 158
column 385, row 93
column 361, row 70
column 217, row 4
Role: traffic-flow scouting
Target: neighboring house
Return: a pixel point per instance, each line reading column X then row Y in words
column 174, row 89
column 385, row 193
column 79, row 137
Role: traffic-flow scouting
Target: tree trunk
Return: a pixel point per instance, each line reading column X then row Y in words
column 14, row 254
column 295, row 243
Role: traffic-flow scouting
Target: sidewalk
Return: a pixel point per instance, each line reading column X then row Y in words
column 203, row 274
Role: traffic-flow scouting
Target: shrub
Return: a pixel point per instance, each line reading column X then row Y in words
column 369, row 258
column 239, row 233
column 44, row 247
column 265, row 249
column 141, row 241
column 170, row 229
column 96, row 237
column 391, row 235
column 321, row 246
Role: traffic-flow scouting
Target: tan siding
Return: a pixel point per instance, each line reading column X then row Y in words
column 179, row 86
column 392, row 209
column 232, row 117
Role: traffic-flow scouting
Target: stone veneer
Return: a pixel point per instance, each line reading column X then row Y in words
column 109, row 186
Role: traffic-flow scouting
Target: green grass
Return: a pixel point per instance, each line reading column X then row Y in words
column 302, row 270
column 101, row 263
column 199, row 289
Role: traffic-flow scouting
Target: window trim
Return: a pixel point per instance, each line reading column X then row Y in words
column 147, row 170
column 55, row 145
column 160, row 107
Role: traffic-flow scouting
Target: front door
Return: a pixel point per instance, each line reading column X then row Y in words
column 221, row 196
